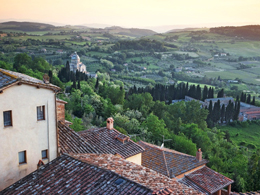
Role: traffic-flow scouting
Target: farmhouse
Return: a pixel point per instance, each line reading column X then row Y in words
column 27, row 124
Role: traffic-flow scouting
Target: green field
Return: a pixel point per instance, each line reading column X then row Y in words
column 249, row 134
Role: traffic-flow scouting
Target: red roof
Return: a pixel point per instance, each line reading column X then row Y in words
column 71, row 142
column 67, row 175
column 168, row 162
column 209, row 180
column 157, row 182
column 111, row 142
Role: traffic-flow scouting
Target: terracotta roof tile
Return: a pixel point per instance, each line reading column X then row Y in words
column 66, row 175
column 209, row 180
column 157, row 182
column 8, row 77
column 71, row 142
column 168, row 162
column 110, row 142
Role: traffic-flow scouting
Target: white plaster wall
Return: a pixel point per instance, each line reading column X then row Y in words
column 137, row 159
column 26, row 133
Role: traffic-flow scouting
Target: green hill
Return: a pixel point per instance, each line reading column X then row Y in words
column 25, row 26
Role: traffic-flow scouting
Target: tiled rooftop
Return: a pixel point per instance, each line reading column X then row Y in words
column 208, row 180
column 168, row 162
column 71, row 142
column 108, row 142
column 67, row 175
column 8, row 77
column 157, row 182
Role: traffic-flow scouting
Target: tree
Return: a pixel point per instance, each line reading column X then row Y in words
column 22, row 59
column 248, row 100
column 221, row 93
column 205, row 93
column 156, row 127
column 79, row 85
column 253, row 101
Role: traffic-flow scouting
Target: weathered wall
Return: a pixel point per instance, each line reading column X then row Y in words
column 60, row 110
column 26, row 133
column 136, row 159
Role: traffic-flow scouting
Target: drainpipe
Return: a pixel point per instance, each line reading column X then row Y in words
column 48, row 131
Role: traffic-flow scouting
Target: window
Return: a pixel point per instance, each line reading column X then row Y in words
column 7, row 118
column 44, row 154
column 22, row 157
column 40, row 113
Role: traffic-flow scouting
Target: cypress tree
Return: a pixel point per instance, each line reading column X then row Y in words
column 248, row 99
column 242, row 97
column 205, row 93
column 198, row 93
column 253, row 101
column 74, row 84
column 97, row 85
column 223, row 110
column 212, row 93
column 209, row 93
column 78, row 84
column 221, row 93
column 50, row 75
column 67, row 71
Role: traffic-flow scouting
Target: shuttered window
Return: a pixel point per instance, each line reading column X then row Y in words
column 7, row 118
column 40, row 113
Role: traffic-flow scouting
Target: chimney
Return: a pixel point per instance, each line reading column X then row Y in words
column 60, row 107
column 46, row 79
column 199, row 155
column 110, row 123
column 40, row 164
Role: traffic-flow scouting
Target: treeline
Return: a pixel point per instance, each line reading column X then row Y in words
column 247, row 98
column 248, row 32
column 142, row 44
column 36, row 67
column 222, row 113
column 176, row 92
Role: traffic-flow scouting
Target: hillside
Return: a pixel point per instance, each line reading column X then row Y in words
column 25, row 26
column 251, row 32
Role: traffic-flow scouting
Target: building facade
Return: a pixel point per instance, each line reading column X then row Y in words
column 27, row 125
column 75, row 64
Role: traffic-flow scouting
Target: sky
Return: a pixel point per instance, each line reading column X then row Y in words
column 134, row 13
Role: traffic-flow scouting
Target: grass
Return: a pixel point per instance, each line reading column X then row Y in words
column 233, row 74
column 201, row 85
column 249, row 134
column 242, row 48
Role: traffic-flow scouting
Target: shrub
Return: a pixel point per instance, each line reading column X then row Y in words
column 252, row 146
column 244, row 124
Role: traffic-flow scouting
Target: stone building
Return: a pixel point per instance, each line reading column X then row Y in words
column 75, row 64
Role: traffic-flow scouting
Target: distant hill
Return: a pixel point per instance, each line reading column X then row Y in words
column 187, row 29
column 251, row 32
column 33, row 26
column 134, row 32
column 25, row 26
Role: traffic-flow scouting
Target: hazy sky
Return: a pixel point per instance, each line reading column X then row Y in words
column 133, row 13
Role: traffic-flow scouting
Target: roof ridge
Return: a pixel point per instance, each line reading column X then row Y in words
column 166, row 165
column 9, row 74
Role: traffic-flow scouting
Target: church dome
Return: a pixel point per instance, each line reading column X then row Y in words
column 75, row 56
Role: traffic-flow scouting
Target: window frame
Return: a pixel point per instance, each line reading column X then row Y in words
column 11, row 120
column 43, row 158
column 43, row 114
column 25, row 158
